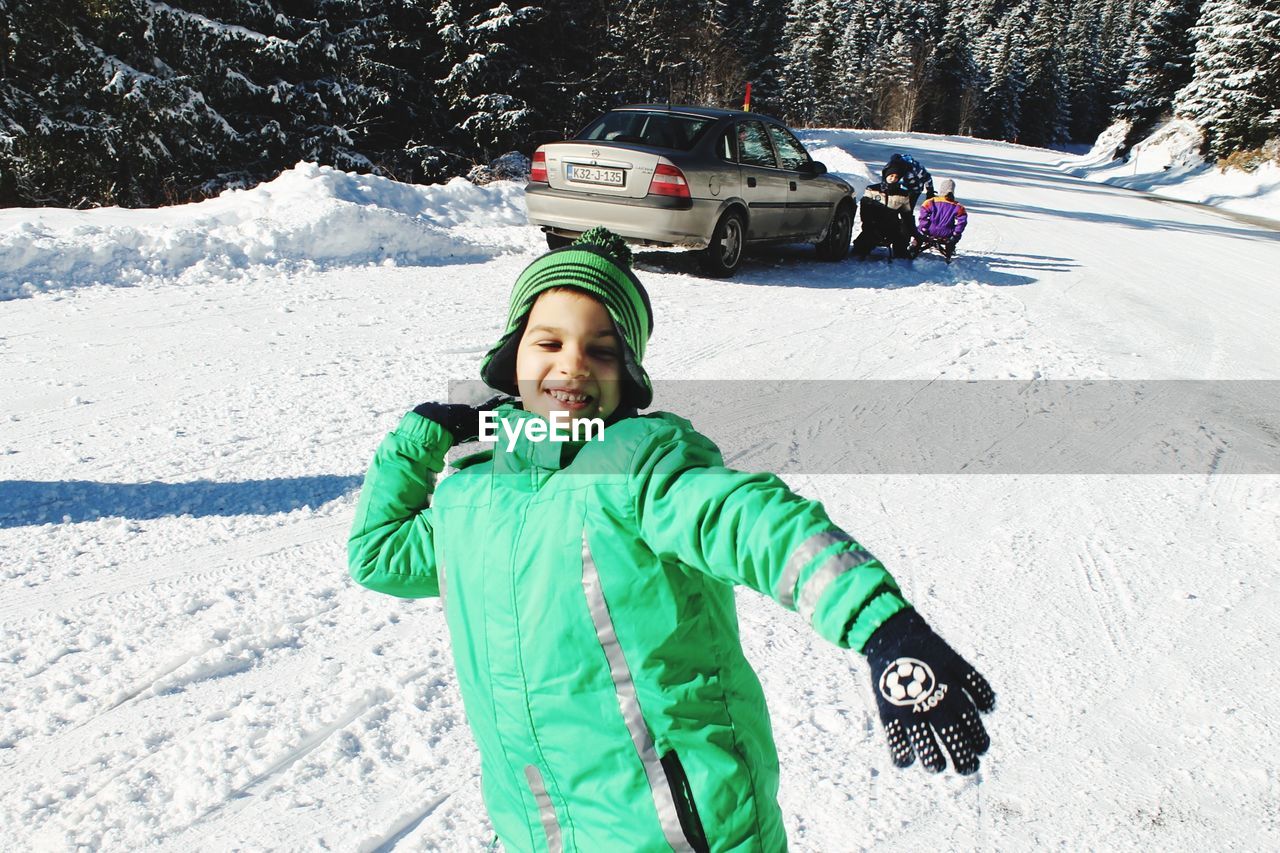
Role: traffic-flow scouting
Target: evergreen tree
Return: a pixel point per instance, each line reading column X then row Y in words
column 1161, row 63
column 762, row 63
column 93, row 116
column 138, row 103
column 1088, row 97
column 951, row 79
column 1044, row 106
column 486, row 79
column 800, row 73
column 1234, row 93
column 855, row 101
column 1002, row 46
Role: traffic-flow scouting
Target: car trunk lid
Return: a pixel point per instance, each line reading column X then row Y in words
column 587, row 167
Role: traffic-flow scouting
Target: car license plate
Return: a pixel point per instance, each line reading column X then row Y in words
column 594, row 175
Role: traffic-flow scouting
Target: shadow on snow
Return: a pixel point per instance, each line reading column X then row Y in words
column 795, row 266
column 31, row 502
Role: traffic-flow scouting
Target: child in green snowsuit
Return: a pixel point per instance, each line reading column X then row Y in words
column 588, row 589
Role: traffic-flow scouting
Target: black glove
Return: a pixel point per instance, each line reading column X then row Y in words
column 927, row 696
column 462, row 421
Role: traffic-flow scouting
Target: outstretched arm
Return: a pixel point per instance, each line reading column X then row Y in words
column 751, row 529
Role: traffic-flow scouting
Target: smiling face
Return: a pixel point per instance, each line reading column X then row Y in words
column 569, row 358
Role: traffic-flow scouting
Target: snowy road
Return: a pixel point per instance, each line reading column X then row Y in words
column 184, row 663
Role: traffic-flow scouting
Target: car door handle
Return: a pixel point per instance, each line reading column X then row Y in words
column 793, row 186
column 751, row 182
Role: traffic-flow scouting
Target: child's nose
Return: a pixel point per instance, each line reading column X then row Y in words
column 573, row 361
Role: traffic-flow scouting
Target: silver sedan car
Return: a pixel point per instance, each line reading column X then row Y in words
column 694, row 177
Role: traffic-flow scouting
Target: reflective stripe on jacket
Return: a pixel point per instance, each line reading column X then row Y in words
column 588, row 590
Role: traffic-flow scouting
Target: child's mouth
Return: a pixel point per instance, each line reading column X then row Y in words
column 572, row 401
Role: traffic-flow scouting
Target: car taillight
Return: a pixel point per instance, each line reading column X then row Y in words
column 538, row 170
column 668, row 180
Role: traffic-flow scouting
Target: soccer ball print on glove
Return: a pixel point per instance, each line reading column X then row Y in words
column 928, row 696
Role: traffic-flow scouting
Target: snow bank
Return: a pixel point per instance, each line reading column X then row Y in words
column 309, row 215
column 1168, row 163
column 825, row 147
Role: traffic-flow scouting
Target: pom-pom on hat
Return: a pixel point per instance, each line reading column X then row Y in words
column 599, row 264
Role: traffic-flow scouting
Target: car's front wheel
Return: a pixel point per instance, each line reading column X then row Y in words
column 721, row 258
column 555, row 241
column 835, row 246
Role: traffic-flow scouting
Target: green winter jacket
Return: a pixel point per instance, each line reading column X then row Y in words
column 588, row 589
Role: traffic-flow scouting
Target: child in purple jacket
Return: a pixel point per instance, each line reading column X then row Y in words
column 941, row 221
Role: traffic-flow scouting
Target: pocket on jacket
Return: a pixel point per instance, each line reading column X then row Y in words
column 686, row 809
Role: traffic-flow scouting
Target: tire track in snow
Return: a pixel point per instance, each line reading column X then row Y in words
column 214, row 659
column 401, row 830
column 166, row 574
column 238, row 799
column 1108, row 603
column 145, row 759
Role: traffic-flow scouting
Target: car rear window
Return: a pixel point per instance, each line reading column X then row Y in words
column 659, row 129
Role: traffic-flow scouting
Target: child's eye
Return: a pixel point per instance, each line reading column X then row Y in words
column 605, row 353
column 549, row 345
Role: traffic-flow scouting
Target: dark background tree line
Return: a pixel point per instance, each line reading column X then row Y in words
column 139, row 102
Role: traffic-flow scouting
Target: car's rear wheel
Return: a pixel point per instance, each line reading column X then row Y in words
column 555, row 241
column 721, row 258
column 835, row 246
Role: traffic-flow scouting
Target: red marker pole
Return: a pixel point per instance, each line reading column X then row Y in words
column 746, row 101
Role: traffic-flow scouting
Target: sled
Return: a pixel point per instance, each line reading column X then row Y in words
column 922, row 244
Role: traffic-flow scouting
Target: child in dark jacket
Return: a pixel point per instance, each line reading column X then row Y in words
column 885, row 210
column 942, row 221
column 588, row 589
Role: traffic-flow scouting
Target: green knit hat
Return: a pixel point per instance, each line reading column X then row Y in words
column 599, row 264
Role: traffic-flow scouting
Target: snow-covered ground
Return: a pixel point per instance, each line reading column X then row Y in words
column 1167, row 163
column 184, row 664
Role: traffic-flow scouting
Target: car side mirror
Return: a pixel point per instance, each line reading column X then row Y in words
column 815, row 168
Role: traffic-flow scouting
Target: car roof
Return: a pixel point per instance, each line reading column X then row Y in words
column 703, row 112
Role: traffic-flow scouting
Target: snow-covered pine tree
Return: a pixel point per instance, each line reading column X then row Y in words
column 1160, row 65
column 1002, row 52
column 572, row 85
column 139, row 103
column 854, row 99
column 895, row 82
column 394, row 113
column 763, row 48
column 97, row 117
column 799, row 76
column 1087, row 99
column 485, row 75
column 815, row 89
column 1044, row 105
column 1233, row 94
column 907, row 37
column 1100, row 38
column 951, row 87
